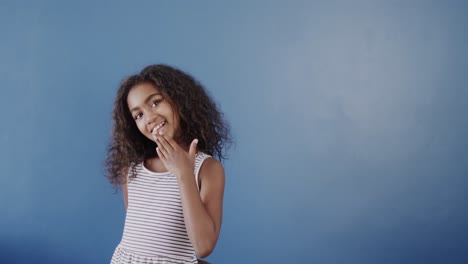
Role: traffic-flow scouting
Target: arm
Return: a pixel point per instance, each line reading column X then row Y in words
column 203, row 210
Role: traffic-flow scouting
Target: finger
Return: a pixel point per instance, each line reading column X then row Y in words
column 160, row 154
column 166, row 141
column 171, row 141
column 154, row 135
column 193, row 147
column 161, row 145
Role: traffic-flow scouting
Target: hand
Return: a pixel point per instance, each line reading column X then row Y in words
column 175, row 158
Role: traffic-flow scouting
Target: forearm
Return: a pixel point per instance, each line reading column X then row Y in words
column 199, row 224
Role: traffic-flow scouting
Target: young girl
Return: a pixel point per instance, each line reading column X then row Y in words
column 166, row 130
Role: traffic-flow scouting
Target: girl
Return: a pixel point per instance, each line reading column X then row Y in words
column 166, row 130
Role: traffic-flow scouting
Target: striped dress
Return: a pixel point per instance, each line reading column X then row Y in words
column 154, row 230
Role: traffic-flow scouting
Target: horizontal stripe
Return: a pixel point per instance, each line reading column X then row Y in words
column 153, row 240
column 154, row 224
column 154, row 249
column 158, row 221
column 176, row 234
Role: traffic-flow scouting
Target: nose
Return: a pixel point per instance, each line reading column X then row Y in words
column 150, row 120
column 150, row 117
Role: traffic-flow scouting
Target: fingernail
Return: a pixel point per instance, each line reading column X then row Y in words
column 196, row 141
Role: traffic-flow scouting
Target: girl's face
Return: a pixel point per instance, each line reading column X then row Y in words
column 152, row 111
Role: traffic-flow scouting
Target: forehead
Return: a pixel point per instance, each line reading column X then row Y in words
column 139, row 93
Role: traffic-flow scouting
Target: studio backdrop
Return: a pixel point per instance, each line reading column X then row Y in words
column 349, row 121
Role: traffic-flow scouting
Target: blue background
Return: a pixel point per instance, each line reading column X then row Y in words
column 350, row 122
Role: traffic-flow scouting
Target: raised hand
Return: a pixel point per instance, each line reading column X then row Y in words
column 175, row 158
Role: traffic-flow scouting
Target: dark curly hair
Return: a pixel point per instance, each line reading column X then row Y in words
column 199, row 118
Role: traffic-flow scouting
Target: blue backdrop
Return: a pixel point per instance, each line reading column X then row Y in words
column 349, row 117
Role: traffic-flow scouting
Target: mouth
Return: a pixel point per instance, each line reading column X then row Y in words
column 159, row 127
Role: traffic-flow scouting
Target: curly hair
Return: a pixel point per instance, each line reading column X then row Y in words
column 199, row 118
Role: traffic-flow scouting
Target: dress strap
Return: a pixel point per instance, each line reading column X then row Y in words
column 199, row 159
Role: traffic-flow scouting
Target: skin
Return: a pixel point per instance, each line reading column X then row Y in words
column 202, row 209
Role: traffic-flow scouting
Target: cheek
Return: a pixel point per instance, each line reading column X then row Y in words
column 141, row 127
column 176, row 128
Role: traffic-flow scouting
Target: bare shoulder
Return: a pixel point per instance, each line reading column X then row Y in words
column 211, row 169
column 211, row 177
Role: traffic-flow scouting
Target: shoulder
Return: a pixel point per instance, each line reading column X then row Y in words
column 131, row 170
column 209, row 163
column 211, row 170
column 212, row 164
column 212, row 183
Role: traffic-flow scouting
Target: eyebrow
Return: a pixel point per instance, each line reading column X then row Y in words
column 146, row 101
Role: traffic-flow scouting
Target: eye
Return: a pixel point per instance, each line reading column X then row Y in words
column 138, row 116
column 155, row 103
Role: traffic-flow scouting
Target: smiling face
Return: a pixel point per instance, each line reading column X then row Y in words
column 152, row 111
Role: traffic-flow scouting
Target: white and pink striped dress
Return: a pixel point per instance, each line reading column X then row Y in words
column 154, row 229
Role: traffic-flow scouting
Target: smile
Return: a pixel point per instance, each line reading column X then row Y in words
column 158, row 127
